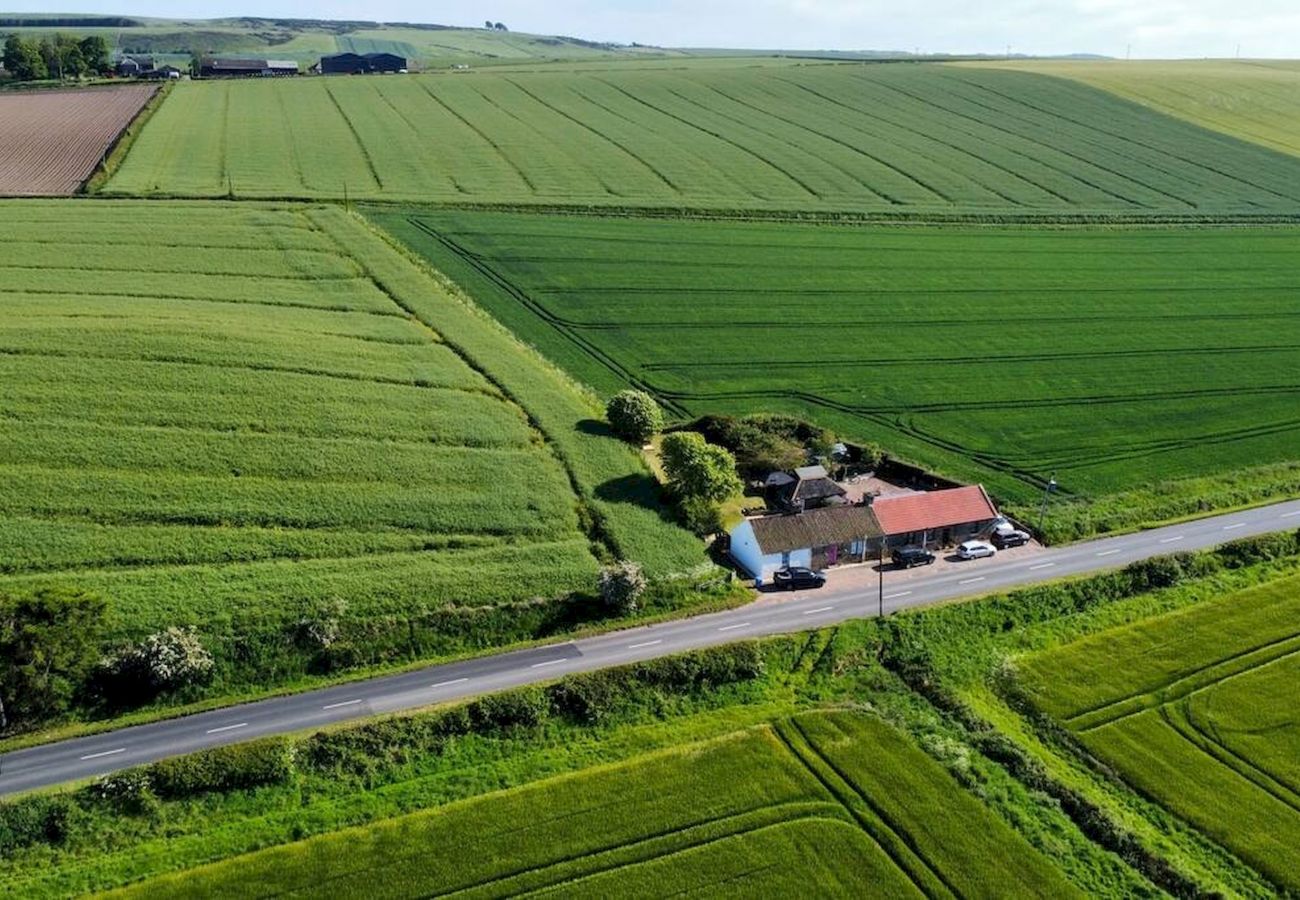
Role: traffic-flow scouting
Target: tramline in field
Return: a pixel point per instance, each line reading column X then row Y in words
column 1114, row 359
column 223, row 418
column 1196, row 710
column 814, row 802
column 776, row 135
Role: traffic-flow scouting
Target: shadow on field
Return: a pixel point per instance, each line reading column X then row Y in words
column 597, row 428
column 640, row 490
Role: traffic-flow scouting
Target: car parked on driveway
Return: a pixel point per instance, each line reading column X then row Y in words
column 795, row 578
column 1014, row 538
column 906, row 557
column 976, row 550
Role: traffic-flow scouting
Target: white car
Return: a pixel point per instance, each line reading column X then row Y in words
column 976, row 550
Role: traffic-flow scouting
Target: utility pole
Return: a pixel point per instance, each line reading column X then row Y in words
column 1042, row 512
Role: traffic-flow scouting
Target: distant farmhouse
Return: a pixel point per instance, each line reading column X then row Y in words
column 361, row 63
column 135, row 66
column 226, row 67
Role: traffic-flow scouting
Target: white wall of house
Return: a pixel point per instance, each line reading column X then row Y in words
column 745, row 551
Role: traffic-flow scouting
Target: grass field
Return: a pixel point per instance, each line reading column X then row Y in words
column 829, row 802
column 1196, row 709
column 818, row 136
column 1256, row 100
column 1113, row 359
column 229, row 416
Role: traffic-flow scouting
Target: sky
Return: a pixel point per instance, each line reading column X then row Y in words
column 1142, row 28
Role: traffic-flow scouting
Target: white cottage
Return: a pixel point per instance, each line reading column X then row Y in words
column 816, row 539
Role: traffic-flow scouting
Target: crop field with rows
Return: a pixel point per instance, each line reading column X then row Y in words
column 51, row 141
column 1112, row 358
column 830, row 802
column 1255, row 100
column 1196, row 709
column 228, row 416
column 818, row 136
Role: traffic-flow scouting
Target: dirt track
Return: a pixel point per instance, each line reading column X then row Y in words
column 51, row 141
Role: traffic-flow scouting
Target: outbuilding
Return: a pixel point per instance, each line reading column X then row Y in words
column 935, row 518
column 818, row 538
column 361, row 63
column 808, row 487
column 230, row 67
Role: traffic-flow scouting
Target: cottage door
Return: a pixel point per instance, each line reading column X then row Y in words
column 832, row 554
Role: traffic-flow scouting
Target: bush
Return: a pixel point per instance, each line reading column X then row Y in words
column 235, row 767
column 701, row 516
column 33, row 820
column 48, row 644
column 634, row 416
column 509, row 711
column 129, row 792
column 164, row 661
column 767, row 442
column 696, row 468
column 621, row 586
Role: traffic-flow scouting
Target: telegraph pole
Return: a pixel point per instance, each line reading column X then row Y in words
column 1042, row 512
column 881, row 580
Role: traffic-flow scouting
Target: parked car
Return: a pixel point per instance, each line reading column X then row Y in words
column 1013, row 538
column 795, row 578
column 976, row 550
column 906, row 557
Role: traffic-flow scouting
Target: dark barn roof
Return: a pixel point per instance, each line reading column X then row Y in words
column 816, row 528
column 350, row 63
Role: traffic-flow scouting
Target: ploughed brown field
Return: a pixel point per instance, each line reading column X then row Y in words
column 51, row 141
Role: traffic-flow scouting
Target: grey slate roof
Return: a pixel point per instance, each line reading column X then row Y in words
column 816, row 528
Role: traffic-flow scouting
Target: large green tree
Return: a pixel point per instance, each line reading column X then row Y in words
column 697, row 469
column 49, row 642
column 23, row 59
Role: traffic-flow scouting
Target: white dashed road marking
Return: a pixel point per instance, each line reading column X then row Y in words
column 450, row 683
column 644, row 644
column 227, row 728
column 105, row 753
column 734, row 627
column 337, row 705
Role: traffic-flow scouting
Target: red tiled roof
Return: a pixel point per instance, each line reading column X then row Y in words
column 933, row 509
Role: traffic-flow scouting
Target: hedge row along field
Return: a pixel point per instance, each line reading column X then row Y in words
column 51, row 141
column 1255, row 100
column 857, row 137
column 1115, row 359
column 829, row 802
column 1196, row 709
column 242, row 417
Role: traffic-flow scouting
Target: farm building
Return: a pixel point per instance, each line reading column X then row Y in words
column 361, row 63
column 809, row 487
column 935, row 518
column 133, row 66
column 817, row 538
column 225, row 67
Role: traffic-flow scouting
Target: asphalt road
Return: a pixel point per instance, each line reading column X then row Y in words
column 79, row 758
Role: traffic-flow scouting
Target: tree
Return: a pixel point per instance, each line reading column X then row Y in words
column 94, row 52
column 488, row 24
column 23, row 59
column 500, row 27
column 49, row 643
column 698, row 469
column 634, row 416
column 621, row 586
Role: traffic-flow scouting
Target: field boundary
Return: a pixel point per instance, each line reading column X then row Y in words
column 121, row 145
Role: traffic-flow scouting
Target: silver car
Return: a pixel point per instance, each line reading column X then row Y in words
column 976, row 550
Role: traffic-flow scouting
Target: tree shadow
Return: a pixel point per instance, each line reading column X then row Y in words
column 599, row 429
column 639, row 490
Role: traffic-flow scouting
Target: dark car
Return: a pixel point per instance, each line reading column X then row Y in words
column 1004, row 539
column 795, row 578
column 906, row 557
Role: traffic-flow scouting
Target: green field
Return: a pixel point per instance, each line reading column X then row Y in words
column 818, row 136
column 1112, row 358
column 1256, row 100
column 1196, row 709
column 825, row 802
column 229, row 416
